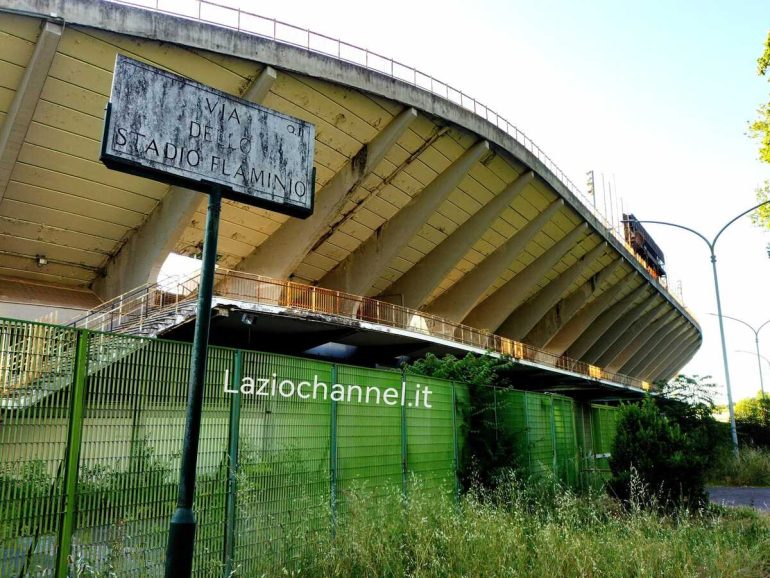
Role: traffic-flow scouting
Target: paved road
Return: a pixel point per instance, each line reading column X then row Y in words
column 758, row 498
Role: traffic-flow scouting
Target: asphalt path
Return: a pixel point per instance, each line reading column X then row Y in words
column 758, row 498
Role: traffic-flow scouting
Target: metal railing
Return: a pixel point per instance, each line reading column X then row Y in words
column 137, row 310
column 250, row 23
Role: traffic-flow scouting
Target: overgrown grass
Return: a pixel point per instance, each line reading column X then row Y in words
column 531, row 531
column 752, row 468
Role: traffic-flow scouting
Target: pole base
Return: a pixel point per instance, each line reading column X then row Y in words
column 181, row 539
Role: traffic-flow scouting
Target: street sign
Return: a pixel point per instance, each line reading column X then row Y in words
column 169, row 128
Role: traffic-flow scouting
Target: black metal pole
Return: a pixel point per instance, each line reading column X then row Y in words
column 181, row 535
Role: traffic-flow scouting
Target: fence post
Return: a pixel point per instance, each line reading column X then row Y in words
column 72, row 456
column 404, row 447
column 333, row 455
column 232, row 462
column 454, row 440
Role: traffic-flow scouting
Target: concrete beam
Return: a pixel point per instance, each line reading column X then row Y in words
column 575, row 327
column 619, row 328
column 416, row 285
column 140, row 258
column 603, row 322
column 631, row 333
column 632, row 349
column 526, row 316
column 561, row 313
column 654, row 347
column 280, row 254
column 673, row 368
column 22, row 108
column 358, row 272
column 660, row 352
column 457, row 301
column 490, row 313
column 673, row 354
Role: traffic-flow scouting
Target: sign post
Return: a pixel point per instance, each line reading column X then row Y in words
column 166, row 127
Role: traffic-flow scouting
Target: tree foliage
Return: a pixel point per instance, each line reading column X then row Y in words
column 752, row 419
column 490, row 450
column 760, row 130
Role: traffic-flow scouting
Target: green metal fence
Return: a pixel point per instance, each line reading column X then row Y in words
column 91, row 428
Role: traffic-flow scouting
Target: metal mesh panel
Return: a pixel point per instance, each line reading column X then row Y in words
column 604, row 419
column 430, row 432
column 36, row 374
column 512, row 419
column 541, row 449
column 565, row 440
column 369, row 435
column 283, row 479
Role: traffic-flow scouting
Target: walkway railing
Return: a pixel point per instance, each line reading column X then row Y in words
column 136, row 311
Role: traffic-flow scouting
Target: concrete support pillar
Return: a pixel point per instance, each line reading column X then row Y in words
column 618, row 328
column 654, row 347
column 639, row 343
column 673, row 354
column 455, row 303
column 490, row 313
column 630, row 334
column 575, row 327
column 280, row 254
column 140, row 258
column 603, row 322
column 526, row 316
column 22, row 109
column 561, row 313
column 358, row 272
column 416, row 285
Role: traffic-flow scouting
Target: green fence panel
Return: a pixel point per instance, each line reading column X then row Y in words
column 604, row 420
column 369, row 434
column 511, row 413
column 430, row 440
column 540, row 433
column 567, row 469
column 36, row 375
column 283, row 479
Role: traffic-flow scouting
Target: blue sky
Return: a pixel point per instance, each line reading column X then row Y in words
column 655, row 95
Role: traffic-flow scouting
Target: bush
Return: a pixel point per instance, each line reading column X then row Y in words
column 752, row 468
column 670, row 464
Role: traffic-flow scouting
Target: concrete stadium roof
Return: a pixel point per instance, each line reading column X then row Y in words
column 420, row 200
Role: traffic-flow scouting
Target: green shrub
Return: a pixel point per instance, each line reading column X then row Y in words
column 669, row 463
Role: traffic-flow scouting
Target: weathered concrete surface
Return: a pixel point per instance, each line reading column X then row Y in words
column 169, row 28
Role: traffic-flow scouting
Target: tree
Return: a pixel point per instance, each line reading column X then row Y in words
column 752, row 420
column 760, row 129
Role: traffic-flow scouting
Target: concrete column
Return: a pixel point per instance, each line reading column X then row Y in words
column 140, row 258
column 280, row 254
column 526, row 316
column 457, row 301
column 674, row 353
column 491, row 312
column 603, row 322
column 632, row 349
column 568, row 334
column 416, row 285
column 358, row 272
column 561, row 313
column 655, row 347
column 630, row 334
column 618, row 328
column 22, row 109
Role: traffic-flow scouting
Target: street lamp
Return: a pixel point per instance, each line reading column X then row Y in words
column 711, row 245
column 756, row 344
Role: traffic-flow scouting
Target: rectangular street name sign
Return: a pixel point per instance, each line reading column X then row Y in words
column 169, row 128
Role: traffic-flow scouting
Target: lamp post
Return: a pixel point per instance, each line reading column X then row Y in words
column 711, row 245
column 756, row 344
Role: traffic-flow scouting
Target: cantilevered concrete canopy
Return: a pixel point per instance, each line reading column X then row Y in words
column 421, row 201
